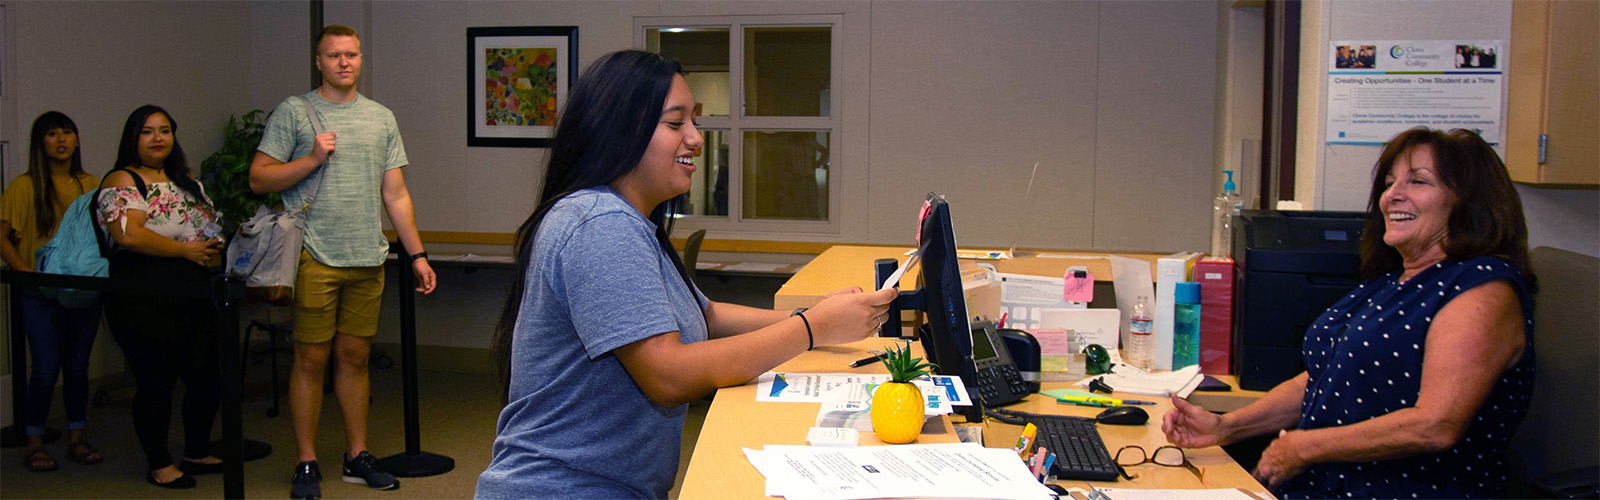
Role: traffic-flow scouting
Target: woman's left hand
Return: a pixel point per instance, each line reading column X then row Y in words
column 425, row 276
column 1281, row 461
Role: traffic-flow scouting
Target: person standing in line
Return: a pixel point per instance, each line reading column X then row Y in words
column 356, row 160
column 58, row 338
column 155, row 215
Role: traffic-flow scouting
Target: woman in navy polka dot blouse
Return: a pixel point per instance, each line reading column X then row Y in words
column 1417, row 379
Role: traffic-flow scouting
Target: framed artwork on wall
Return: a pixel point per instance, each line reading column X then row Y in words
column 517, row 77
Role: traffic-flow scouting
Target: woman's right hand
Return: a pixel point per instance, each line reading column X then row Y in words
column 849, row 315
column 1190, row 426
column 200, row 251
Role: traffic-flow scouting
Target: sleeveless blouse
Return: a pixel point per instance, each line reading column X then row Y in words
column 1364, row 356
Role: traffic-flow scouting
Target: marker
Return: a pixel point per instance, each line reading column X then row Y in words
column 1082, row 403
column 1091, row 399
column 1048, row 462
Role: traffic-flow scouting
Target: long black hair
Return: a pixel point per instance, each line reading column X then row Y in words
column 44, row 186
column 600, row 136
column 1487, row 218
column 176, row 166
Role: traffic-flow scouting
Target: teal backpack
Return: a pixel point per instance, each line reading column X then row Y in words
column 78, row 249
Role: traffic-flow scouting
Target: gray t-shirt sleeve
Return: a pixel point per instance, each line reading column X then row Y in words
column 397, row 147
column 610, row 274
column 282, row 132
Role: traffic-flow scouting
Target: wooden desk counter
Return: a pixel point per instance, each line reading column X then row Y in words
column 843, row 266
column 719, row 469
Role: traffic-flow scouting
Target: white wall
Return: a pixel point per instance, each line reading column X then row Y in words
column 1340, row 175
column 97, row 61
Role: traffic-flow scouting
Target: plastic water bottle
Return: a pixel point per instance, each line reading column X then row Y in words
column 1186, row 325
column 1223, row 209
column 1141, row 329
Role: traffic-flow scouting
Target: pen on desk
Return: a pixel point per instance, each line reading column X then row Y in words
column 1138, row 402
column 863, row 361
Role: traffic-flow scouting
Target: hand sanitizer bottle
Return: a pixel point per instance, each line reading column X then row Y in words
column 1223, row 209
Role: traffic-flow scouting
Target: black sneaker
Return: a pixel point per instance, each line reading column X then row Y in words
column 363, row 469
column 307, row 482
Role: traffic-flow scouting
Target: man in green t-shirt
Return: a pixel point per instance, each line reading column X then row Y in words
column 356, row 161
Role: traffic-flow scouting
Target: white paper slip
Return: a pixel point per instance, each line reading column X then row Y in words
column 701, row 266
column 894, row 278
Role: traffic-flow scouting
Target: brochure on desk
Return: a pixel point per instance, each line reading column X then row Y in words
column 940, row 390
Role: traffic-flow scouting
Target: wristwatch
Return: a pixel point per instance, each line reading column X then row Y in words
column 419, row 255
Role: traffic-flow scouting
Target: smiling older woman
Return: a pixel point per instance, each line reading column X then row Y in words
column 1415, row 381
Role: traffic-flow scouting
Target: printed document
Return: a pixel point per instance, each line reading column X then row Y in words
column 953, row 470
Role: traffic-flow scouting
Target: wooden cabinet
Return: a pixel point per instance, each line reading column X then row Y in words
column 1554, row 93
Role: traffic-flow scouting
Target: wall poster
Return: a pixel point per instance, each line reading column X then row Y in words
column 1379, row 88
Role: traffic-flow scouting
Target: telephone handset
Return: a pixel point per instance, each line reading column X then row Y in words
column 997, row 378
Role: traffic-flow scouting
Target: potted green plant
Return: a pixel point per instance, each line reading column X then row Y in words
column 226, row 173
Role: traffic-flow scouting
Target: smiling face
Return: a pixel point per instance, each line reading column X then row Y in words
column 339, row 60
column 60, row 144
column 1416, row 206
column 155, row 140
column 666, row 168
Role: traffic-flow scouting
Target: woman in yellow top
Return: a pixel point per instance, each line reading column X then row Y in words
column 57, row 337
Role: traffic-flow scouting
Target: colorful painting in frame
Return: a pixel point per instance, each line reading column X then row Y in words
column 517, row 78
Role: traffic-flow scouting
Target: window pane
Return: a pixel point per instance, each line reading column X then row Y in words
column 787, row 70
column 703, row 52
column 708, row 195
column 786, row 175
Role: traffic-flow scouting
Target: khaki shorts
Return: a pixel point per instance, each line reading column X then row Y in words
column 330, row 299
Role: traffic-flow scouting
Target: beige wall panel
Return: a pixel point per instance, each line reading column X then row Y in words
column 1154, row 137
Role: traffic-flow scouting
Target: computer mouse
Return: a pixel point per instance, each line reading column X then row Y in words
column 1123, row 415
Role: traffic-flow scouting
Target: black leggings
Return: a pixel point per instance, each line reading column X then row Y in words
column 166, row 339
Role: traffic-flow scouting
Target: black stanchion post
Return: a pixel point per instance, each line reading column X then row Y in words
column 226, row 291
column 413, row 462
column 14, row 435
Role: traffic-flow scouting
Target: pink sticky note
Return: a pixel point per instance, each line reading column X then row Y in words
column 1078, row 289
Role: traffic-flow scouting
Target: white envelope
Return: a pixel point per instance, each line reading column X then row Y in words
column 1098, row 326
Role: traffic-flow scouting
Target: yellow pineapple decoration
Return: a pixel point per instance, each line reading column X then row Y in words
column 897, row 412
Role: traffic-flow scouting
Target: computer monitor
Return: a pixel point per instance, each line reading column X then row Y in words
column 947, row 338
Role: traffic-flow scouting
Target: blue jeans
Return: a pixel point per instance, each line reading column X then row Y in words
column 59, row 339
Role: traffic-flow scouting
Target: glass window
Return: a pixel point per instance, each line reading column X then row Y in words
column 786, row 175
column 787, row 70
column 703, row 52
column 709, row 194
column 765, row 89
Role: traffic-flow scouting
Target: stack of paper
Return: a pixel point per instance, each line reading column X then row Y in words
column 1126, row 378
column 954, row 470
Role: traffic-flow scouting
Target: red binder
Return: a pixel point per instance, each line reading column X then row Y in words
column 1216, row 315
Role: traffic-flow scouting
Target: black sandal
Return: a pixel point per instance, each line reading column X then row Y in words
column 40, row 460
column 84, row 453
column 183, row 482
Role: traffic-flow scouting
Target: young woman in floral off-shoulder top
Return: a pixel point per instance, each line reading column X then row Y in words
column 156, row 216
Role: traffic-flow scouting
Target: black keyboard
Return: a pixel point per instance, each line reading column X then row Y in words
column 1080, row 454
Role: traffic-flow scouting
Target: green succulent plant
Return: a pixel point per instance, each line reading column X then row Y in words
column 902, row 367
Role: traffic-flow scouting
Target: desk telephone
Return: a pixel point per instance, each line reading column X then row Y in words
column 997, row 378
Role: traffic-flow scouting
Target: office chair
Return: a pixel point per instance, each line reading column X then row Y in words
column 691, row 251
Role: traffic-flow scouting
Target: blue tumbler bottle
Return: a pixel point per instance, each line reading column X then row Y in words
column 1186, row 326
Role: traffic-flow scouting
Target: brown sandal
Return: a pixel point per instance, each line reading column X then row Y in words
column 81, row 452
column 40, row 461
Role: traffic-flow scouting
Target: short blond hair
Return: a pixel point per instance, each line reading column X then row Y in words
column 331, row 30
